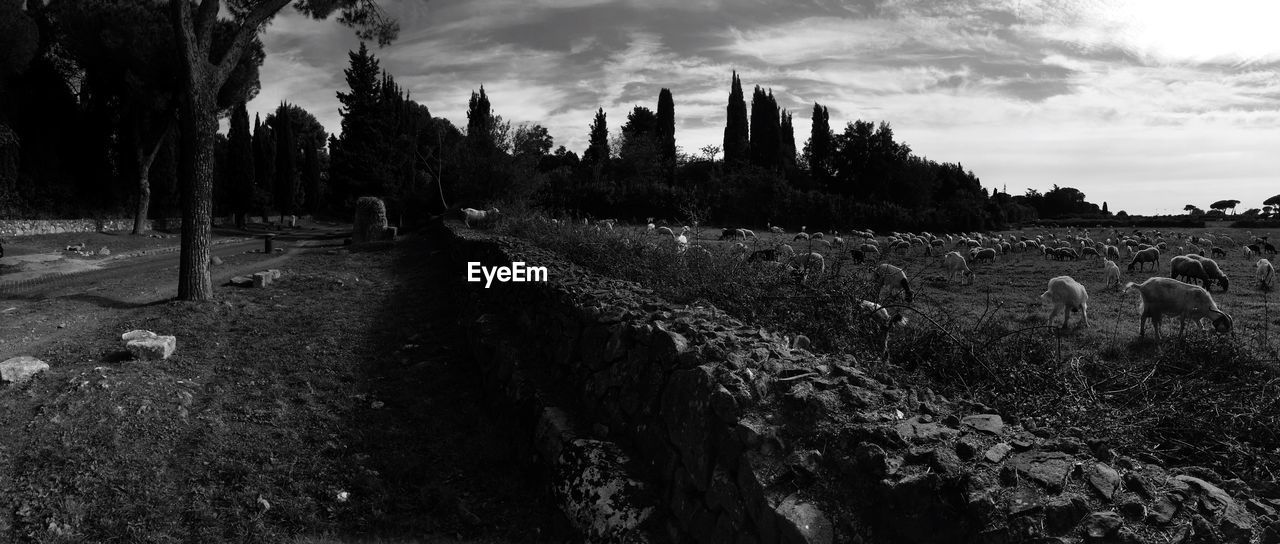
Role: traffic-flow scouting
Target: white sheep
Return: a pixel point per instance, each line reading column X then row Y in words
column 1167, row 296
column 954, row 262
column 1110, row 273
column 893, row 278
column 983, row 254
column 1212, row 272
column 800, row 236
column 809, row 261
column 1264, row 272
column 1067, row 295
column 479, row 217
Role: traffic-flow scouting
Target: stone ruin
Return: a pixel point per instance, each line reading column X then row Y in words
column 661, row 423
column 370, row 224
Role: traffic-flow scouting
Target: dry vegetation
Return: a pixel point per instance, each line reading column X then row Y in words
column 1204, row 399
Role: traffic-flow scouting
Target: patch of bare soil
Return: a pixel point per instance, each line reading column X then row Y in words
column 333, row 406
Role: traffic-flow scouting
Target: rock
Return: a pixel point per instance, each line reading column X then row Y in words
column 1164, row 511
column 241, row 281
column 261, row 279
column 275, row 273
column 21, row 368
column 916, row 432
column 136, row 334
column 1104, row 479
column 215, row 260
column 1102, row 524
column 1062, row 513
column 1140, row 483
column 803, row 522
column 1049, row 469
column 104, row 251
column 597, row 495
column 967, row 447
column 1260, row 508
column 986, row 423
column 154, row 348
column 997, row 453
column 1133, row 510
column 1023, row 500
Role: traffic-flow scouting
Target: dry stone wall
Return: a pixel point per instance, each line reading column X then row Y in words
column 690, row 426
column 31, row 227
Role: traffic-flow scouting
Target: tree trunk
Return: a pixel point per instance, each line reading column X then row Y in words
column 145, row 158
column 199, row 125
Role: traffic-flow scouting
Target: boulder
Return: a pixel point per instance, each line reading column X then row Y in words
column 149, row 346
column 804, row 523
column 21, row 368
column 261, row 279
column 241, row 281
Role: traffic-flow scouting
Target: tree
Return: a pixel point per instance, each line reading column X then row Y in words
column 818, row 150
column 207, row 65
column 786, row 143
column 736, row 136
column 360, row 163
column 764, row 150
column 286, row 182
column 1225, row 205
column 480, row 124
column 531, row 140
column 1273, row 201
column 311, row 178
column 666, row 126
column 264, row 162
column 1104, row 208
column 598, row 147
column 1192, row 209
column 241, row 161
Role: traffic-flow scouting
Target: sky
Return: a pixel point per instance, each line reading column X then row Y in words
column 1148, row 105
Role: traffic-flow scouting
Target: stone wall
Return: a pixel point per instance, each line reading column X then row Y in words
column 29, row 227
column 714, row 431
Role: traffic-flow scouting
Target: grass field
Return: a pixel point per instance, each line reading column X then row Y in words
column 1205, row 398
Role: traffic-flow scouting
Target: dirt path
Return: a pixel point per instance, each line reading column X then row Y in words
column 333, row 406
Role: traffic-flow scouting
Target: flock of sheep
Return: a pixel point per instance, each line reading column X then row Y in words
column 1184, row 294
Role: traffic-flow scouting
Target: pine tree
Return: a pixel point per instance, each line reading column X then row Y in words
column 764, row 129
column 1104, row 209
column 264, row 162
column 666, row 125
column 736, row 143
column 598, row 148
column 358, row 162
column 241, row 164
column 286, row 182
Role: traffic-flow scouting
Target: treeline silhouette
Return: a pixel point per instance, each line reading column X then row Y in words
column 87, row 129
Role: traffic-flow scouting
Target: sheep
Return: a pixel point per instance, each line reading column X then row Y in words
column 1149, row 255
column 881, row 313
column 1263, row 271
column 1084, row 252
column 1111, row 251
column 650, row 227
column 817, row 236
column 1219, row 252
column 869, row 248
column 77, row 248
column 800, row 236
column 748, row 233
column 954, row 262
column 775, row 230
column 739, row 249
column 1110, row 274
column 808, row 261
column 889, row 276
column 1212, row 272
column 1187, row 269
column 786, row 251
column 727, row 234
column 479, row 217
column 837, row 241
column 1167, row 296
column 985, row 254
column 1270, row 249
column 665, row 231
column 1067, row 295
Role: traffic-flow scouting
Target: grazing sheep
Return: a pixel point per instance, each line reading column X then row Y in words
column 881, row 313
column 800, row 236
column 1110, row 274
column 1270, row 249
column 954, row 262
column 650, row 227
column 665, row 230
column 1264, row 272
column 739, row 249
column 837, row 241
column 1219, row 252
column 893, row 278
column 1167, row 296
column 775, row 230
column 817, row 236
column 1184, row 268
column 1149, row 255
column 786, row 251
column 1084, row 252
column 1067, row 295
column 869, row 248
column 1111, row 252
column 479, row 217
column 748, row 233
column 808, row 261
column 984, row 254
column 1212, row 272
column 728, row 234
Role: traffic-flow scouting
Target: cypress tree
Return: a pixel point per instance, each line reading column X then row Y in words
column 764, row 129
column 264, row 161
column 786, row 143
column 819, row 149
column 241, row 164
column 286, row 182
column 357, row 165
column 598, row 149
column 311, row 179
column 666, row 125
column 480, row 124
column 736, row 143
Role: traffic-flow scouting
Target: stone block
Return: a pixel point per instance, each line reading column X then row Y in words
column 21, row 368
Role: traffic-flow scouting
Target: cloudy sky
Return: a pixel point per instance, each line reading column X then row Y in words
column 1148, row 105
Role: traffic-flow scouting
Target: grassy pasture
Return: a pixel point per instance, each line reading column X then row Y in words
column 1204, row 398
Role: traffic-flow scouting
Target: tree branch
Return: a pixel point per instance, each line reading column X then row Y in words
column 180, row 11
column 244, row 35
column 206, row 16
